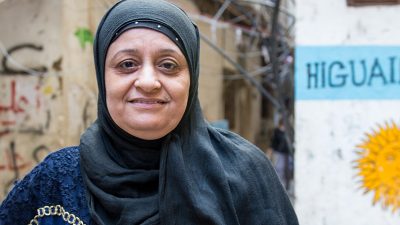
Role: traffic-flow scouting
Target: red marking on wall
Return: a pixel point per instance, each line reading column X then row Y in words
column 7, row 123
column 13, row 161
column 4, row 132
column 15, row 104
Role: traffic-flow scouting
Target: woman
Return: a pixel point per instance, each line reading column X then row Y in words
column 150, row 158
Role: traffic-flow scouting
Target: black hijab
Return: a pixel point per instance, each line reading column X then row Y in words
column 194, row 175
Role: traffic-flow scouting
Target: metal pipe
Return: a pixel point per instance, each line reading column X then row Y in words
column 243, row 72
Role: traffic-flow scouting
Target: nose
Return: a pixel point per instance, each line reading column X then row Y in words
column 147, row 79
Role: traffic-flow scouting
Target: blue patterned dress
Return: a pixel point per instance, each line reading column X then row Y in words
column 53, row 193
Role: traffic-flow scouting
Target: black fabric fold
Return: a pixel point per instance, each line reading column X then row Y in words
column 197, row 174
column 117, row 187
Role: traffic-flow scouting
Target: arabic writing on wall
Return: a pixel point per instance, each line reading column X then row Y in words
column 25, row 116
column 34, row 116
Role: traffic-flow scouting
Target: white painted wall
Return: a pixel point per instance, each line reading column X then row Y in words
column 332, row 22
column 328, row 130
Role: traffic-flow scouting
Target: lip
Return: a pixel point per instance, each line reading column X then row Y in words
column 148, row 103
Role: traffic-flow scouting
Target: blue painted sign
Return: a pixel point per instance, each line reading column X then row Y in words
column 347, row 72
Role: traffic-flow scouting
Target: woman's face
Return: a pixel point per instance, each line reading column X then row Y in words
column 147, row 83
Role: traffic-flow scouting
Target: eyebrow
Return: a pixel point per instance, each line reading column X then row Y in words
column 132, row 51
column 168, row 50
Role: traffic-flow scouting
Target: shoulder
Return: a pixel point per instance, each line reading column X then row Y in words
column 55, row 181
column 235, row 147
column 65, row 159
column 58, row 167
column 241, row 157
column 60, row 179
column 53, row 169
column 244, row 163
column 69, row 152
column 256, row 191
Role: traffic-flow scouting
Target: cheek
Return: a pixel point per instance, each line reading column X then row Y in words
column 113, row 91
column 115, row 85
column 182, row 93
column 108, row 88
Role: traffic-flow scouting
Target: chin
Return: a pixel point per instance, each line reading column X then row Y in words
column 149, row 134
column 150, row 137
column 150, row 131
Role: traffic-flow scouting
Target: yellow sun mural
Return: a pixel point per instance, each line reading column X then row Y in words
column 379, row 165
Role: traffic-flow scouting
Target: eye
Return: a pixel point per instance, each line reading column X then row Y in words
column 127, row 65
column 168, row 66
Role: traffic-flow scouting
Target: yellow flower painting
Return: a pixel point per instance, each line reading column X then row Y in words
column 379, row 165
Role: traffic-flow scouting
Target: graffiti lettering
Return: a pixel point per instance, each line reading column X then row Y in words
column 22, row 107
column 340, row 74
column 7, row 70
column 15, row 105
column 4, row 132
column 347, row 72
column 40, row 152
column 13, row 161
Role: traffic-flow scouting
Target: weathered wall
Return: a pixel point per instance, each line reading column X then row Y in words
column 210, row 80
column 43, row 111
column 347, row 105
column 29, row 103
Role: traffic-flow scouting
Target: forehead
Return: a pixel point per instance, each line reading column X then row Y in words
column 143, row 38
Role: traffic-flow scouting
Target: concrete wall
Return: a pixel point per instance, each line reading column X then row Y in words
column 347, row 97
column 43, row 111
column 211, row 80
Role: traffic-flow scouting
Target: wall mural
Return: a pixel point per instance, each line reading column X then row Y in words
column 379, row 165
column 358, row 85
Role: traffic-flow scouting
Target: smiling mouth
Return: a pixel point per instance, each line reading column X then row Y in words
column 148, row 101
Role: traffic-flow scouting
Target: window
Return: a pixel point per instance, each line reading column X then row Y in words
column 372, row 2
